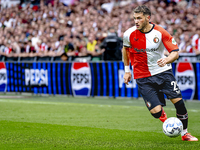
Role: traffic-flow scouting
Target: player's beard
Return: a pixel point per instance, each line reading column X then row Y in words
column 144, row 25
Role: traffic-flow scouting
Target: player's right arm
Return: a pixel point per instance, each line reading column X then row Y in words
column 127, row 75
column 125, row 51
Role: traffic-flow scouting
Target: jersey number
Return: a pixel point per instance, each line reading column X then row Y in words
column 174, row 83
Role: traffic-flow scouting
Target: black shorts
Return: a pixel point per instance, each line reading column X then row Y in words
column 154, row 87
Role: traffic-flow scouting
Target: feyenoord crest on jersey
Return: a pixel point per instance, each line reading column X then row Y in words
column 156, row 40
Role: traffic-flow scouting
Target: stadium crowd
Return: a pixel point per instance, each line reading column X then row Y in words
column 52, row 28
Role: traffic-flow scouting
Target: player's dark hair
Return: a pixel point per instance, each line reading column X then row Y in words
column 142, row 9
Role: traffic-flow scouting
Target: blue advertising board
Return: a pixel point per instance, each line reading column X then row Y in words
column 87, row 79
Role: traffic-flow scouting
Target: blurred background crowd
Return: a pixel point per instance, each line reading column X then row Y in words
column 73, row 29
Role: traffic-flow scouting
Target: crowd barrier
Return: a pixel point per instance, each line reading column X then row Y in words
column 87, row 79
column 189, row 57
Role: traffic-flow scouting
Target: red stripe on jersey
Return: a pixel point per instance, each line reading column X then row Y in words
column 191, row 50
column 138, row 54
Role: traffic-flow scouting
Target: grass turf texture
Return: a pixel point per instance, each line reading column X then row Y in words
column 88, row 123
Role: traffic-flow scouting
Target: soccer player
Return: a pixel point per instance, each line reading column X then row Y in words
column 144, row 45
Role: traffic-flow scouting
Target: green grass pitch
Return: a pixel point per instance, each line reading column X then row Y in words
column 61, row 122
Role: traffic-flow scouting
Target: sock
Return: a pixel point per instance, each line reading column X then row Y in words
column 163, row 116
column 181, row 113
column 183, row 132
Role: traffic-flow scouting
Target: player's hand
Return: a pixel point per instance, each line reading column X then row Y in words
column 127, row 77
column 161, row 62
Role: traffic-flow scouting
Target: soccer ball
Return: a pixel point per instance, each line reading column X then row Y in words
column 172, row 127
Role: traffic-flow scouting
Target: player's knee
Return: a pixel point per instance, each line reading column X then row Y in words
column 157, row 114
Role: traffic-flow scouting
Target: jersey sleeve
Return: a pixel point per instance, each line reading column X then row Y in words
column 126, row 39
column 169, row 42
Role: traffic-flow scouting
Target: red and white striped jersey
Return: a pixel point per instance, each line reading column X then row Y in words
column 189, row 49
column 196, row 41
column 43, row 47
column 146, row 48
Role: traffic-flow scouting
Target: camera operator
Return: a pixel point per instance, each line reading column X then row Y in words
column 112, row 45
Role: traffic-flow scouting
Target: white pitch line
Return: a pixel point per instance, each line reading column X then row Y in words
column 58, row 103
column 80, row 104
column 193, row 110
column 32, row 102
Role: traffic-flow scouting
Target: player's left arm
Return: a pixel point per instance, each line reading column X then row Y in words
column 167, row 60
column 171, row 46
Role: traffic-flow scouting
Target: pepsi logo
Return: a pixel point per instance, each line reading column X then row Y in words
column 36, row 77
column 185, row 77
column 3, row 77
column 81, row 79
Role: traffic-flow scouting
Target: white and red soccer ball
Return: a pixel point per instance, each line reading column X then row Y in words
column 172, row 127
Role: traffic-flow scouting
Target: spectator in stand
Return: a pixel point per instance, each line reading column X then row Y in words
column 8, row 50
column 29, row 49
column 184, row 43
column 23, row 52
column 80, row 48
column 91, row 44
column 69, row 47
column 15, row 47
column 92, row 47
column 112, row 45
column 196, row 42
column 51, row 49
column 189, row 48
column 60, row 49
